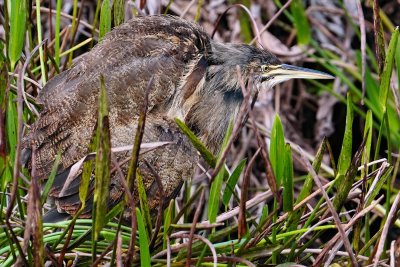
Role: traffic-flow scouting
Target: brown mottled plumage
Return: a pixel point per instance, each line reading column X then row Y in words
column 194, row 79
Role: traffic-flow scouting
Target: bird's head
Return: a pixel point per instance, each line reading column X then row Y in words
column 261, row 65
column 218, row 93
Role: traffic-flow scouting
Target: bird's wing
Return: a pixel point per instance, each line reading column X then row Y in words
column 145, row 47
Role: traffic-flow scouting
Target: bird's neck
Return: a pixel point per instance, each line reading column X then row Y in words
column 208, row 104
column 209, row 94
column 210, row 118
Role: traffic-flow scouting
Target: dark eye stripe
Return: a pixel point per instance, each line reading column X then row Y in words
column 266, row 78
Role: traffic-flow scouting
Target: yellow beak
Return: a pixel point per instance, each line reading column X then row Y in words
column 280, row 73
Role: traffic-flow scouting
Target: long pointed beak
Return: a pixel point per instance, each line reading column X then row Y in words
column 280, row 73
column 294, row 72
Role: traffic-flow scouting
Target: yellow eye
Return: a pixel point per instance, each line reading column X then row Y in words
column 264, row 68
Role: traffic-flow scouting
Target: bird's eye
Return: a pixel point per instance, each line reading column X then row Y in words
column 264, row 68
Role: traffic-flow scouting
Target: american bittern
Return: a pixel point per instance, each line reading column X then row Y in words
column 195, row 79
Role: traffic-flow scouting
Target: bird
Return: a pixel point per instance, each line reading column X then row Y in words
column 194, row 79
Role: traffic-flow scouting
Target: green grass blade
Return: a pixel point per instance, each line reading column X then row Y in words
column 276, row 148
column 346, row 151
column 379, row 35
column 117, row 209
column 232, row 181
column 11, row 125
column 17, row 30
column 204, row 152
column 168, row 218
column 73, row 26
column 387, row 70
column 245, row 27
column 143, row 241
column 87, row 171
column 197, row 17
column 288, row 176
column 216, row 186
column 119, row 12
column 215, row 191
column 57, row 34
column 40, row 39
column 143, row 201
column 226, row 137
column 344, row 184
column 103, row 158
column 301, row 22
column 368, row 128
column 393, row 121
column 50, row 180
column 397, row 60
column 105, row 19
column 389, row 185
column 3, row 103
